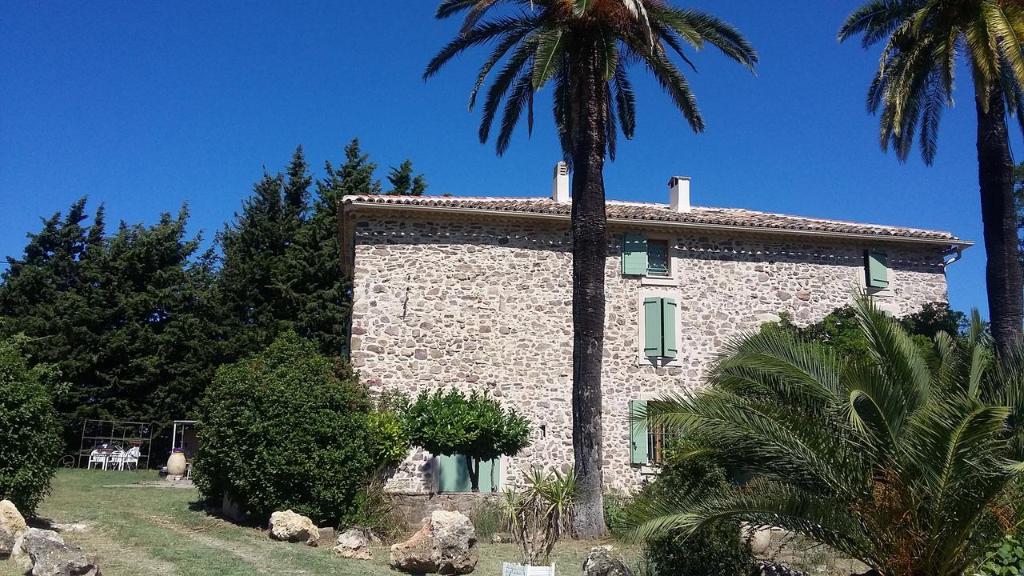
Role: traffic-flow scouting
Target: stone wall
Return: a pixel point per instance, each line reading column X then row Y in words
column 486, row 305
column 414, row 508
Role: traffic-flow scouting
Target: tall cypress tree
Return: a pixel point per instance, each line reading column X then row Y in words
column 326, row 301
column 404, row 183
column 129, row 320
column 254, row 247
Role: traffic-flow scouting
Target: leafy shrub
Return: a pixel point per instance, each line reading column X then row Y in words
column 718, row 548
column 616, row 512
column 30, row 440
column 475, row 426
column 1007, row 559
column 840, row 330
column 283, row 430
column 389, row 429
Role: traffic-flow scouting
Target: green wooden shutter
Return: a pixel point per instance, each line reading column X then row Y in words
column 453, row 475
column 653, row 341
column 490, row 475
column 638, row 431
column 877, row 268
column 634, row 255
column 668, row 327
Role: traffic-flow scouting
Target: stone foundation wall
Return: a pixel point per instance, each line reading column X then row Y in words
column 487, row 306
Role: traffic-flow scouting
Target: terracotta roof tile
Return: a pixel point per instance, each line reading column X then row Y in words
column 643, row 212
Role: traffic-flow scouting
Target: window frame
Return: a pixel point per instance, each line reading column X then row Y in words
column 629, row 267
column 668, row 258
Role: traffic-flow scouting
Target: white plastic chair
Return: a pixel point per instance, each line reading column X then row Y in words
column 98, row 458
column 116, row 460
column 131, row 458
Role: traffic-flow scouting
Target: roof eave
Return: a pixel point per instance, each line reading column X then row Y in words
column 954, row 243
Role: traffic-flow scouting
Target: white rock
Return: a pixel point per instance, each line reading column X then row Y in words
column 289, row 526
column 12, row 524
column 354, row 543
column 446, row 544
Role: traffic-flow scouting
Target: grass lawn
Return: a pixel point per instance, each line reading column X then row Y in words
column 135, row 528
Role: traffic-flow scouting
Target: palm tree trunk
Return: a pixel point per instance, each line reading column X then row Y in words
column 995, row 176
column 589, row 250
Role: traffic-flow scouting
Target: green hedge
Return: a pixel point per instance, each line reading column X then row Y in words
column 30, row 441
column 287, row 429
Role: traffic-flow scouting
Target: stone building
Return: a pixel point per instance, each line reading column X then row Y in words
column 476, row 293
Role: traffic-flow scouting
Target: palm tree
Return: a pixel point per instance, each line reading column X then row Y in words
column 914, row 82
column 899, row 461
column 583, row 47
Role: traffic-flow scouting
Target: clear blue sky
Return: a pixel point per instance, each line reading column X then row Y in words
column 144, row 105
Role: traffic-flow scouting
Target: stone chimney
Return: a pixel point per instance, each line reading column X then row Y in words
column 679, row 193
column 560, row 184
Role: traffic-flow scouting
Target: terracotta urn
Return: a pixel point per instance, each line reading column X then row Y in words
column 176, row 464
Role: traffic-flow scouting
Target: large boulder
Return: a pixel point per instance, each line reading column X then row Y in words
column 354, row 543
column 601, row 562
column 51, row 556
column 446, row 544
column 290, row 526
column 12, row 524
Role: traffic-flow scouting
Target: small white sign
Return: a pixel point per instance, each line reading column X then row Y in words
column 509, row 569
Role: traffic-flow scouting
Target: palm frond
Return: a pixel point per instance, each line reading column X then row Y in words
column 548, row 57
column 512, row 38
column 625, row 101
column 877, row 19
column 478, row 35
column 521, row 97
column 698, row 27
column 516, row 63
column 675, row 84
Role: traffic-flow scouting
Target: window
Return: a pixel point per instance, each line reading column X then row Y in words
column 644, row 257
column 648, row 445
column 660, row 327
column 453, row 475
column 657, row 258
column 876, row 269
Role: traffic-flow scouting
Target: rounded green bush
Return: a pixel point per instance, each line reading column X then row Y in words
column 30, row 441
column 282, row 430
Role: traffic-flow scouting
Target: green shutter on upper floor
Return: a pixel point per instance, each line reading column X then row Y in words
column 877, row 269
column 634, row 255
column 653, row 341
column 638, row 452
column 668, row 328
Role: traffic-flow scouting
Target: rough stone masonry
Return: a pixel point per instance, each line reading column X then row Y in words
column 452, row 298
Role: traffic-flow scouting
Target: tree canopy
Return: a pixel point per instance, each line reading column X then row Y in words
column 136, row 320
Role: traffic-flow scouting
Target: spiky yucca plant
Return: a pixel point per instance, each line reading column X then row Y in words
column 925, row 41
column 584, row 48
column 900, row 462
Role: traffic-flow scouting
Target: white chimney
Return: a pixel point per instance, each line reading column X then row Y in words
column 679, row 193
column 560, row 185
